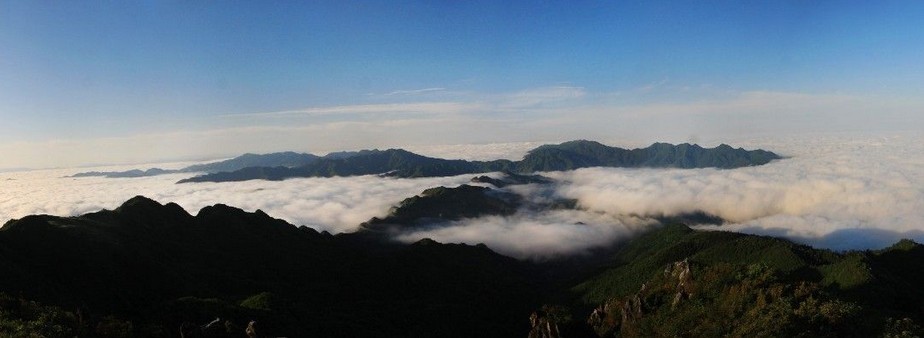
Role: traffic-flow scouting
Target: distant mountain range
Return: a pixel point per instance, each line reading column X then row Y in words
column 282, row 159
column 154, row 270
column 566, row 156
column 11, row 170
column 583, row 154
column 391, row 162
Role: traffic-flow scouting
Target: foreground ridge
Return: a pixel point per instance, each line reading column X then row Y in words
column 152, row 269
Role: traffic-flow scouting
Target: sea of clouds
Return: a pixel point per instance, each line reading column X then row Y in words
column 846, row 191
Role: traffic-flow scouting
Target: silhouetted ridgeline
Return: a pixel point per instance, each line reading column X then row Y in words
column 443, row 204
column 145, row 269
column 438, row 206
column 566, row 156
column 157, row 266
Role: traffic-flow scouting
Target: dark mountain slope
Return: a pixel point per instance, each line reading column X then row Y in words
column 153, row 267
column 572, row 155
column 158, row 266
column 438, row 206
column 282, row 159
column 443, row 204
column 391, row 162
column 582, row 154
column 511, row 178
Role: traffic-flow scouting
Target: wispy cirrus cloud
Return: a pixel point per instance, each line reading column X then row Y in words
column 470, row 103
column 385, row 108
column 540, row 96
column 415, row 91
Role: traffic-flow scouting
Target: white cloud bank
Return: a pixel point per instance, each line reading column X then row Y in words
column 538, row 235
column 336, row 204
column 838, row 191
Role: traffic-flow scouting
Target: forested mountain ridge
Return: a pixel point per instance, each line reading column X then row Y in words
column 565, row 156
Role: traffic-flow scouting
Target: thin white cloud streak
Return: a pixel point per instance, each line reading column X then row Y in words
column 415, row 91
column 651, row 86
column 434, row 108
column 486, row 103
column 540, row 96
column 752, row 102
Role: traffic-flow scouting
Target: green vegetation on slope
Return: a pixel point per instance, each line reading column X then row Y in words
column 745, row 285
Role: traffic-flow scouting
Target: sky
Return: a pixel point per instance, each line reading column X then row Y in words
column 132, row 82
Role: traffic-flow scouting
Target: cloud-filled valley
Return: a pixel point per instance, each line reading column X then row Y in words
column 806, row 197
column 336, row 204
column 839, row 192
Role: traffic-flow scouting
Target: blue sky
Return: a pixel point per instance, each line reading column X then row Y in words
column 100, row 82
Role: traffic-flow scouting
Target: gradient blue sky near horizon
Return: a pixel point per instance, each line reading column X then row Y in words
column 112, row 82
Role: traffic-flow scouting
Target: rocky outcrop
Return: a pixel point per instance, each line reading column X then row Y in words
column 216, row 328
column 549, row 322
column 622, row 315
column 680, row 272
column 541, row 326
